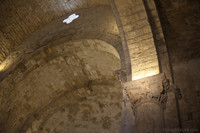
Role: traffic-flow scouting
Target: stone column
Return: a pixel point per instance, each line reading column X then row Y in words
column 149, row 118
column 148, row 97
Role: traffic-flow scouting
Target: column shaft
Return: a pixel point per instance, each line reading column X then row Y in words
column 149, row 118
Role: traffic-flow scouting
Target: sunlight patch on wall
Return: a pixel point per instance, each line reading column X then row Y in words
column 144, row 60
column 70, row 18
column 5, row 64
column 144, row 75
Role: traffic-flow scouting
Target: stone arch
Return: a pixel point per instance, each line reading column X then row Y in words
column 74, row 101
column 56, row 70
column 137, row 37
column 101, row 26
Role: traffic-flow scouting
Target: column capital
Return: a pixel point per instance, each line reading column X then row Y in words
column 149, row 89
column 121, row 75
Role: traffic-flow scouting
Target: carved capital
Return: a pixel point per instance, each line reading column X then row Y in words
column 121, row 75
column 150, row 89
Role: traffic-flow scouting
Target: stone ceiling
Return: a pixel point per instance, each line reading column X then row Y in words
column 19, row 19
column 48, row 64
column 45, row 64
column 92, row 24
column 70, row 70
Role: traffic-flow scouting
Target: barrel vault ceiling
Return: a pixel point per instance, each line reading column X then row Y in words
column 19, row 19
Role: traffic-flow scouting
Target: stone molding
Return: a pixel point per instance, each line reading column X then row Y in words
column 149, row 89
column 176, row 91
column 121, row 75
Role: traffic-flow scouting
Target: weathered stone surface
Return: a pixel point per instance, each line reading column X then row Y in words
column 147, row 97
column 180, row 20
column 63, row 68
column 49, row 84
column 139, row 37
column 82, row 113
column 187, row 78
column 149, row 118
column 128, row 117
column 57, row 32
column 24, row 17
column 152, row 88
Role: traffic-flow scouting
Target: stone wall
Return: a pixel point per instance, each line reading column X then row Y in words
column 181, row 25
column 27, row 81
column 19, row 19
column 187, row 78
column 54, row 71
column 82, row 111
column 180, row 22
column 138, row 36
column 86, row 27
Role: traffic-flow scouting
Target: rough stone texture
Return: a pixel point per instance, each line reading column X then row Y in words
column 54, row 71
column 19, row 19
column 5, row 47
column 187, row 78
column 128, row 118
column 57, row 32
column 181, row 25
column 170, row 112
column 138, row 37
column 145, row 95
column 159, row 40
column 149, row 118
column 181, row 22
column 156, row 89
column 39, row 88
column 152, row 88
column 82, row 112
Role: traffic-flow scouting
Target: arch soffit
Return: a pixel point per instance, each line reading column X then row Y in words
column 92, row 24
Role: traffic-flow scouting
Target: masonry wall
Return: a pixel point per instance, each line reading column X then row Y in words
column 181, row 24
column 187, row 78
column 69, row 79
column 136, row 33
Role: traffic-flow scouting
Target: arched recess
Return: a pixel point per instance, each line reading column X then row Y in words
column 137, row 37
column 79, row 74
column 93, row 23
